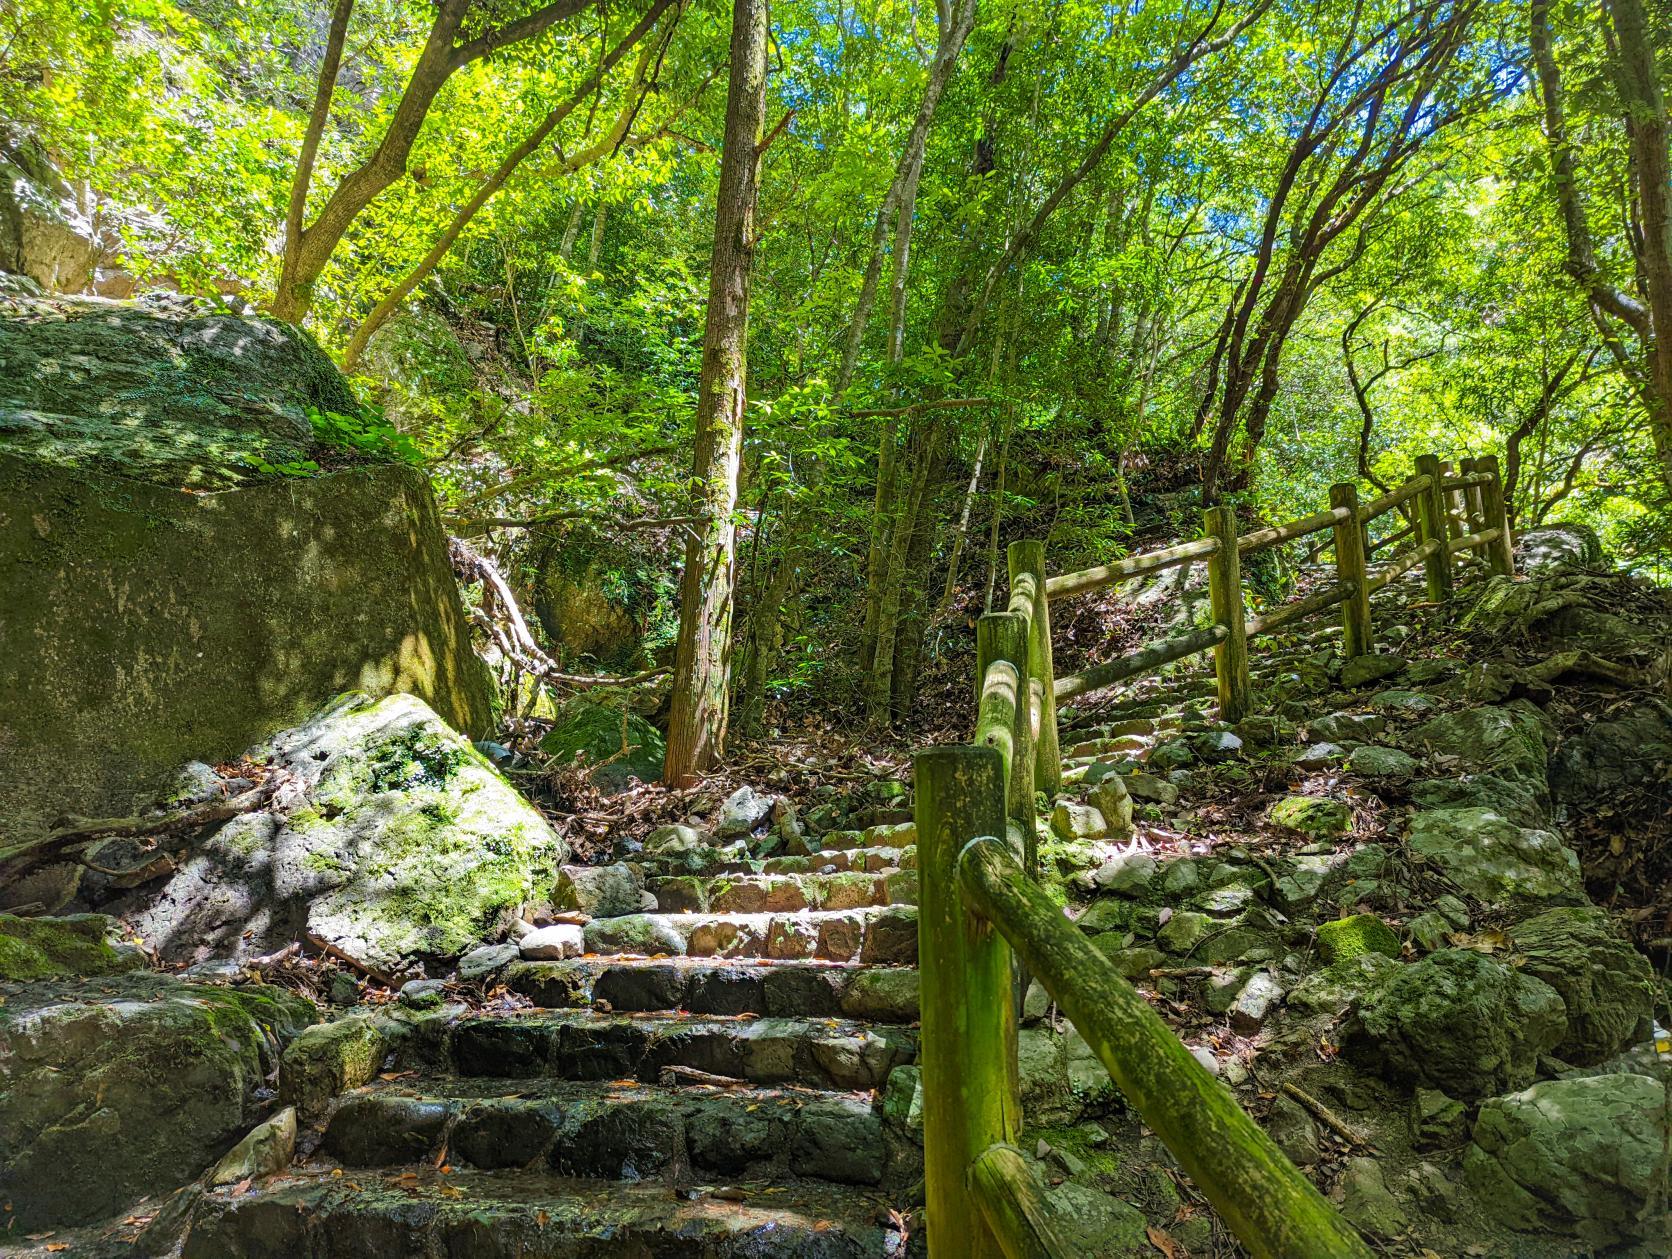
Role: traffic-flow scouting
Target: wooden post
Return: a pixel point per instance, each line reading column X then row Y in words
column 967, row 1046
column 1431, row 525
column 1004, row 636
column 1474, row 502
column 1500, row 554
column 1027, row 579
column 1357, row 634
column 1230, row 657
column 1454, row 504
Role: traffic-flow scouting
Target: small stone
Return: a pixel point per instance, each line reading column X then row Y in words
column 1183, row 931
column 1437, row 1122
column 742, row 812
column 1428, row 931
column 1347, row 727
column 1181, row 877
column 1363, row 670
column 1129, row 874
column 1294, row 1131
column 1036, row 1004
column 1114, row 802
column 554, row 943
column 1367, row 1202
column 1221, row 991
column 1143, row 786
column 485, row 961
column 1259, row 996
column 1319, row 756
column 599, row 891
column 328, row 1059
column 1374, row 761
column 1077, row 821
column 1204, row 1055
column 423, row 994
column 1346, row 938
column 1313, row 816
column 1214, row 746
column 678, row 838
column 265, row 1151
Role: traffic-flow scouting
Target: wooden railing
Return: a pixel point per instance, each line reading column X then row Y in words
column 981, row 908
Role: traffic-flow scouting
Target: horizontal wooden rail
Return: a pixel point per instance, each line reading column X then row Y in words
column 1387, row 502
column 1404, row 533
column 1014, row 1206
column 1470, row 541
column 1404, row 564
column 1270, row 1205
column 1142, row 661
column 1466, row 482
column 1260, row 539
column 1266, row 622
column 1088, row 579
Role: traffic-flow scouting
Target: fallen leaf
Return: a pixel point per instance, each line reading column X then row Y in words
column 1161, row 1241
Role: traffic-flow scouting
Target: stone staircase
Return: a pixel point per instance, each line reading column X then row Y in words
column 727, row 1076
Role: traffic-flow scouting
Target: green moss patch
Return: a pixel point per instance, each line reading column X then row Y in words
column 55, row 948
column 1347, row 938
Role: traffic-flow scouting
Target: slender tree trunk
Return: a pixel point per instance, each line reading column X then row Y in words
column 963, row 530
column 998, row 512
column 697, row 723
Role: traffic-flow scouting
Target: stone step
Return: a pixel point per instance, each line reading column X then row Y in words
column 535, row 1215
column 879, row 994
column 583, row 1045
column 783, row 893
column 885, row 935
column 616, row 1130
column 872, row 859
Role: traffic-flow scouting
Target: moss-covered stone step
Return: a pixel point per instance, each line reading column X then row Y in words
column 783, row 893
column 534, row 1215
column 884, row 935
column 879, row 994
column 876, row 859
column 819, row 1053
column 614, row 1130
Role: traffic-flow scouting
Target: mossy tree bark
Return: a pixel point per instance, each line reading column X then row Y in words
column 702, row 663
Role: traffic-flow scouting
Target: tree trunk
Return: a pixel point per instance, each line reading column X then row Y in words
column 697, row 723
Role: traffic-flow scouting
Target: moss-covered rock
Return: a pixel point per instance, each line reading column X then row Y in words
column 1488, row 856
column 53, row 948
column 395, row 841
column 1313, row 816
column 1512, row 741
column 127, row 1086
column 1458, row 1021
column 1583, row 1158
column 1346, row 938
column 592, row 732
column 328, row 1059
column 1607, row 987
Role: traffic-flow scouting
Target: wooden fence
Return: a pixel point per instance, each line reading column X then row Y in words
column 980, row 905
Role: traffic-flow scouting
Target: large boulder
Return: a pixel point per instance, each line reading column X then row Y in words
column 1457, row 1021
column 130, row 1086
column 55, row 948
column 391, row 840
column 1489, row 857
column 1512, row 742
column 616, row 742
column 1607, row 986
column 1558, row 546
column 1584, row 1158
column 145, row 627
column 44, row 234
column 1629, row 751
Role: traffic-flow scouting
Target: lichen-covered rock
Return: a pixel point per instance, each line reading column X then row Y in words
column 1363, row 670
column 53, row 948
column 1490, row 857
column 1383, row 764
column 265, row 1151
column 1346, row 938
column 328, row 1059
column 127, row 1086
column 1583, row 1158
column 43, row 232
column 1077, row 821
column 1558, row 546
column 1338, row 987
column 1313, row 816
column 1607, row 987
column 1512, row 741
column 1458, row 1021
column 392, row 840
column 599, row 891
column 1346, row 727
column 108, row 409
column 1112, row 799
column 592, row 733
column 1629, row 751
column 742, row 812
column 1094, row 1223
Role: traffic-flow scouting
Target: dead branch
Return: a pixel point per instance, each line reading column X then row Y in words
column 81, row 830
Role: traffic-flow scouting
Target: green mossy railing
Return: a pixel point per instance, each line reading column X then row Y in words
column 981, row 907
